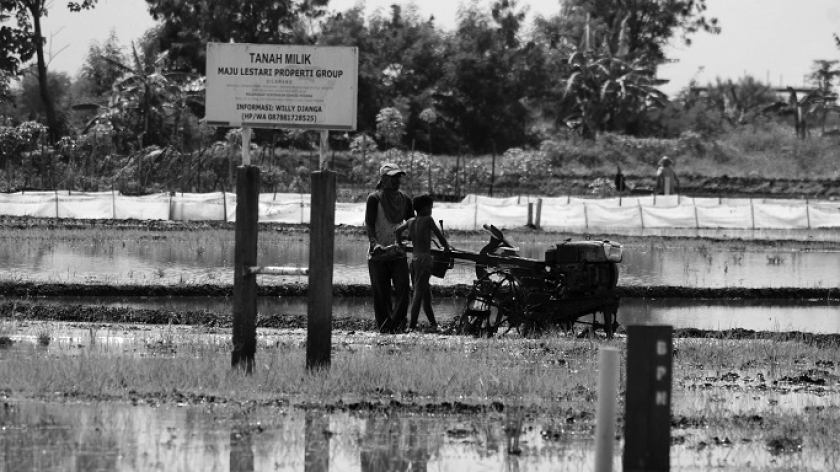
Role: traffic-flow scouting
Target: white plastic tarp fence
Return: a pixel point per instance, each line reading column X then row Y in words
column 550, row 213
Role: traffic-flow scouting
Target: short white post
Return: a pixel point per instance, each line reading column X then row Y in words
column 585, row 216
column 475, row 215
column 530, row 214
column 608, row 365
column 246, row 145
column 323, row 149
column 642, row 213
column 808, row 212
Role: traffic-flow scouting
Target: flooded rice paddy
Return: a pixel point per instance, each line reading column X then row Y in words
column 185, row 436
column 150, row 434
column 169, row 259
column 749, row 260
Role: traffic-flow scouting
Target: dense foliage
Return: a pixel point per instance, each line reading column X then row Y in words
column 494, row 86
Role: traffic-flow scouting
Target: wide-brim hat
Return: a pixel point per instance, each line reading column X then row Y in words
column 390, row 169
column 665, row 161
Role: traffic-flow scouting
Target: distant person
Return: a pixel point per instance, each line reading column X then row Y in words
column 620, row 183
column 386, row 209
column 420, row 230
column 667, row 182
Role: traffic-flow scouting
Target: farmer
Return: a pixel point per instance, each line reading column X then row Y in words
column 620, row 181
column 386, row 209
column 420, row 231
column 667, row 182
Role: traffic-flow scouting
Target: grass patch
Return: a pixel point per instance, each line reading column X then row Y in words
column 452, row 370
column 549, row 371
column 775, row 392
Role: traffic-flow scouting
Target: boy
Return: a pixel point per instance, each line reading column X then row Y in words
column 420, row 230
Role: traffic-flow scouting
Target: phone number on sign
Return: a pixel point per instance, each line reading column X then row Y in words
column 279, row 117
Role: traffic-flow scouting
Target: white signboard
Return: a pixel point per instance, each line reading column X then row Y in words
column 282, row 86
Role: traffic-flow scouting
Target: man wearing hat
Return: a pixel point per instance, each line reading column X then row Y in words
column 386, row 209
column 667, row 182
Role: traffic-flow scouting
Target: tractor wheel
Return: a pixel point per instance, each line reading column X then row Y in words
column 495, row 301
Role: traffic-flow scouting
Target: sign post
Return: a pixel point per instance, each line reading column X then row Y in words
column 245, row 255
column 282, row 86
column 647, row 427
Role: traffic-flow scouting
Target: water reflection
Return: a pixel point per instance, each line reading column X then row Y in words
column 241, row 449
column 392, row 444
column 317, row 442
column 171, row 261
column 116, row 437
column 124, row 438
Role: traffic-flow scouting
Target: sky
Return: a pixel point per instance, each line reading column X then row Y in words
column 775, row 41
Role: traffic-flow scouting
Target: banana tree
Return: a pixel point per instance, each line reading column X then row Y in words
column 824, row 75
column 148, row 91
column 801, row 109
column 608, row 88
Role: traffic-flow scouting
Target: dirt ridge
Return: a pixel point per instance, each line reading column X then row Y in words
column 36, row 311
column 300, row 289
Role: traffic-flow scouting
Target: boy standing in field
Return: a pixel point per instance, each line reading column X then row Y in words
column 420, row 230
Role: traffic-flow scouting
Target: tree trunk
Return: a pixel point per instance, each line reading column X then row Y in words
column 493, row 169
column 457, row 179
column 144, row 140
column 431, row 187
column 43, row 84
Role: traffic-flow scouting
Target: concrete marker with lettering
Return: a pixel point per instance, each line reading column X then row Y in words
column 647, row 425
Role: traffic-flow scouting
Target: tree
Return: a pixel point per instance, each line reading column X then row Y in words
column 349, row 29
column 482, row 96
column 401, row 60
column 824, row 74
column 821, row 100
column 799, row 109
column 608, row 87
column 604, row 88
column 150, row 91
column 187, row 27
column 390, row 127
column 98, row 73
column 429, row 117
column 649, row 24
column 5, row 89
column 739, row 102
column 19, row 44
column 29, row 100
column 411, row 62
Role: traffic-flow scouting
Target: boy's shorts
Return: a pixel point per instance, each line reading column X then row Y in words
column 421, row 264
